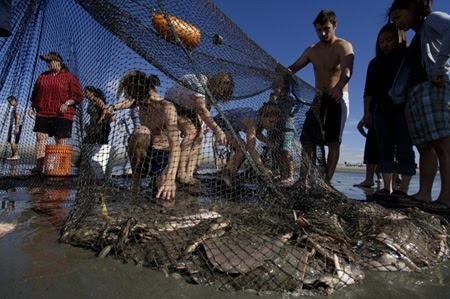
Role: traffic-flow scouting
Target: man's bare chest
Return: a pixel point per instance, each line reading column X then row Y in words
column 325, row 60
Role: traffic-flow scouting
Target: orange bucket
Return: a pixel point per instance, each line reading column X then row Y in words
column 58, row 160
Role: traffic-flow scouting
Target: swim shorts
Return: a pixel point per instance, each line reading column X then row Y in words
column 155, row 162
column 53, row 126
column 427, row 112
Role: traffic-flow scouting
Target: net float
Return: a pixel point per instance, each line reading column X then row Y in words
column 188, row 34
column 217, row 39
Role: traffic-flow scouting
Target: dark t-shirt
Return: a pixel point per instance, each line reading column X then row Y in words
column 380, row 75
column 96, row 133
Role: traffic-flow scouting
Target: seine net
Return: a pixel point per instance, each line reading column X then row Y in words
column 249, row 228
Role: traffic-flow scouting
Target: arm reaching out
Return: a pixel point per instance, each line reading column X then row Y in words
column 109, row 112
column 251, row 128
column 205, row 115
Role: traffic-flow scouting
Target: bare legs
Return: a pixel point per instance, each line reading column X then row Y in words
column 332, row 158
column 190, row 150
column 404, row 185
column 14, row 150
column 286, row 168
column 428, row 165
column 442, row 148
column 370, row 172
column 308, row 161
column 430, row 154
column 41, row 143
column 194, row 158
column 137, row 151
column 388, row 178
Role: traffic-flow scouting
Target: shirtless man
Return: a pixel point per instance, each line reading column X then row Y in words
column 332, row 59
column 154, row 146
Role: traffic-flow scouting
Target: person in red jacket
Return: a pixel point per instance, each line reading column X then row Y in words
column 53, row 101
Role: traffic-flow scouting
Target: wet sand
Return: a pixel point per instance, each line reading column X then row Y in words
column 34, row 265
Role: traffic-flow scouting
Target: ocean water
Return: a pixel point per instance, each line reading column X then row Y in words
column 35, row 265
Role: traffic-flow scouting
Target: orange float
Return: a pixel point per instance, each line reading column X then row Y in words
column 188, row 34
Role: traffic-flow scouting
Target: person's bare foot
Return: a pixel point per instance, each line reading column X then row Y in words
column 189, row 181
column 420, row 198
column 301, row 185
column 436, row 206
column 287, row 182
column 365, row 184
column 13, row 158
column 165, row 203
column 36, row 170
column 135, row 187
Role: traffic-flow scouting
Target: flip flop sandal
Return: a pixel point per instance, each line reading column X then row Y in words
column 286, row 183
column 13, row 158
column 436, row 207
column 410, row 201
column 381, row 195
column 190, row 182
column 397, row 195
column 360, row 185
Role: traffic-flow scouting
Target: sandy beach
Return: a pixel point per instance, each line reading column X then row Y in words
column 35, row 265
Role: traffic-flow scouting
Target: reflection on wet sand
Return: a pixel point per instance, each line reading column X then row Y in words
column 368, row 192
column 6, row 228
column 11, row 167
column 39, row 267
column 7, row 205
column 51, row 203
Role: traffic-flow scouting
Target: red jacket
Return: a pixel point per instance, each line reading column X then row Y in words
column 53, row 89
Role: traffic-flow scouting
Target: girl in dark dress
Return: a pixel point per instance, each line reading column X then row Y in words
column 395, row 147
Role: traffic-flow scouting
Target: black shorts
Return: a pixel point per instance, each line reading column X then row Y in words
column 324, row 123
column 312, row 131
column 12, row 137
column 53, row 126
column 371, row 148
column 333, row 120
column 155, row 162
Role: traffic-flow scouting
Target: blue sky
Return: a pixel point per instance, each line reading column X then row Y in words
column 285, row 30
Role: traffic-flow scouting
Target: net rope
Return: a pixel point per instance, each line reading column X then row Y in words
column 256, row 234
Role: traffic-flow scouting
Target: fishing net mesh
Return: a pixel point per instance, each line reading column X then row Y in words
column 254, row 234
